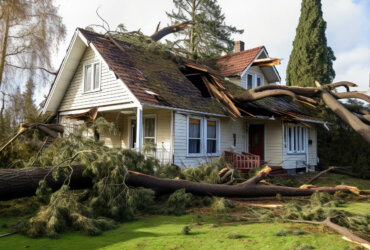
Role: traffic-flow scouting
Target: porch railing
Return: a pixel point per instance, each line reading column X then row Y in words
column 163, row 155
column 244, row 161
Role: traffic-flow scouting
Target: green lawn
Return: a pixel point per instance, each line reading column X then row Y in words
column 164, row 232
column 331, row 179
column 357, row 207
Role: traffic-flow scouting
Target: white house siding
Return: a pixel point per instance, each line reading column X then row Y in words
column 111, row 92
column 227, row 129
column 292, row 161
column 312, row 148
column 273, row 141
column 257, row 70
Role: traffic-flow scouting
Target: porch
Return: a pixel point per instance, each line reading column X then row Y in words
column 143, row 129
column 242, row 162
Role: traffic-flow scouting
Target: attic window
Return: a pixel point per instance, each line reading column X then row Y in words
column 91, row 73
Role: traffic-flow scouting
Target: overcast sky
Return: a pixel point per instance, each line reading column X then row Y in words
column 265, row 22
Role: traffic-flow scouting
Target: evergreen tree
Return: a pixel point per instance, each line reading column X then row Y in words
column 209, row 36
column 311, row 59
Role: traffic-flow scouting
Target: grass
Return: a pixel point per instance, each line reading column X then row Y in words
column 358, row 207
column 164, row 232
column 331, row 179
column 207, row 232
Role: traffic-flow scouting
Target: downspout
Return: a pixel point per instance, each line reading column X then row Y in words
column 306, row 142
column 172, row 160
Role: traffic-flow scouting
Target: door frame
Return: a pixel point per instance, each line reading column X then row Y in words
column 129, row 131
column 264, row 137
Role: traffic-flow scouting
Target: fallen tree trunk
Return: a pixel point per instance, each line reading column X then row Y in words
column 319, row 174
column 339, row 229
column 15, row 183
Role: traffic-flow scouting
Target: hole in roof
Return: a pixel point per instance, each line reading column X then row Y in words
column 195, row 77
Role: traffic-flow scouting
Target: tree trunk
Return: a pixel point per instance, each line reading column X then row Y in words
column 15, row 183
column 158, row 35
column 4, row 45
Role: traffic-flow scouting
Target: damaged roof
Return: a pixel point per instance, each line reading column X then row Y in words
column 159, row 80
column 235, row 63
column 145, row 72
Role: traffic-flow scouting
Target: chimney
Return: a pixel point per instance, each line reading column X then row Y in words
column 239, row 46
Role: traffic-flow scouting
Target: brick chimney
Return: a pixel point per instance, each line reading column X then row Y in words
column 239, row 46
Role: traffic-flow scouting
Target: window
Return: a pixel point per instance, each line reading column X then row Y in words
column 249, row 81
column 259, row 81
column 149, row 130
column 211, row 137
column 295, row 139
column 194, row 136
column 203, row 136
column 91, row 77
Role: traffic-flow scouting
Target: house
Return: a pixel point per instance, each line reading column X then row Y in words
column 157, row 100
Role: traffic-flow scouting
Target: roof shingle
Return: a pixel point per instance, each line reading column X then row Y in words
column 235, row 63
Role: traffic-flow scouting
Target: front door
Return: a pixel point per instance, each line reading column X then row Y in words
column 257, row 140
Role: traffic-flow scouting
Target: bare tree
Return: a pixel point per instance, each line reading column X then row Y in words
column 29, row 31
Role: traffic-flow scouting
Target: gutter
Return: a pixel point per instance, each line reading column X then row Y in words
column 184, row 111
column 311, row 121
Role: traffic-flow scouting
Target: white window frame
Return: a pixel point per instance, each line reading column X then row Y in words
column 92, row 64
column 255, row 76
column 217, row 153
column 203, row 136
column 295, row 135
column 129, row 135
column 155, row 128
column 260, row 77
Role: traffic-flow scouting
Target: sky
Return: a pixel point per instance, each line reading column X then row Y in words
column 265, row 22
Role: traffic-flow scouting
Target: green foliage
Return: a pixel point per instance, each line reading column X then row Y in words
column 323, row 205
column 222, row 205
column 311, row 59
column 43, row 192
column 209, row 36
column 207, row 172
column 144, row 199
column 341, row 146
column 110, row 199
column 178, row 202
column 169, row 171
column 186, row 230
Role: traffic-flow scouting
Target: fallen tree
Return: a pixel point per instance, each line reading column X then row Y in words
column 358, row 122
column 15, row 183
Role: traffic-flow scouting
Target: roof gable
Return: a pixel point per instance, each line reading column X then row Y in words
column 237, row 62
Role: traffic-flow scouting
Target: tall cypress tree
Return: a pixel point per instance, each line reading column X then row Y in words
column 209, row 36
column 311, row 59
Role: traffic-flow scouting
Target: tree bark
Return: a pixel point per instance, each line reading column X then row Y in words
column 346, row 115
column 304, row 94
column 158, row 35
column 15, row 183
column 319, row 174
column 339, row 229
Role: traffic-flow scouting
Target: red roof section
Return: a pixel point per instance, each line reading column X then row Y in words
column 237, row 62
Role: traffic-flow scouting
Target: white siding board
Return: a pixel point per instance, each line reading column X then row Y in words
column 227, row 129
column 112, row 91
column 312, row 148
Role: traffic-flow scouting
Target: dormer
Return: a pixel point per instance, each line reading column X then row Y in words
column 249, row 68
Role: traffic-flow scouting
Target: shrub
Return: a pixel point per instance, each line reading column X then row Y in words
column 222, row 205
column 144, row 199
column 178, row 202
column 186, row 229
